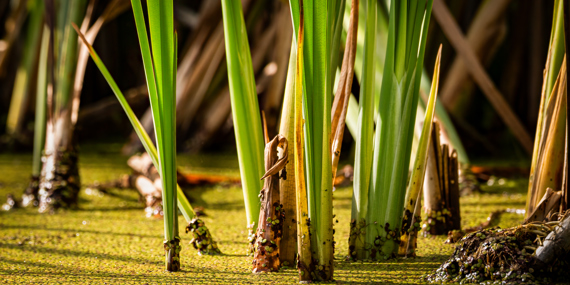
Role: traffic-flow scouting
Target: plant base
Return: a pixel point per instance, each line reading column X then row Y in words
column 201, row 238
column 59, row 185
column 172, row 250
column 356, row 240
column 267, row 243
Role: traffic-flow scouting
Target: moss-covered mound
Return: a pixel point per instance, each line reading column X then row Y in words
column 501, row 255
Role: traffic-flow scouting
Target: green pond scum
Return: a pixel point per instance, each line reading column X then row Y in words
column 108, row 239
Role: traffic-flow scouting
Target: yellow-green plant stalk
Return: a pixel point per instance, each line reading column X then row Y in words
column 549, row 170
column 304, row 259
column 412, row 215
column 245, row 109
column 287, row 183
column 365, row 134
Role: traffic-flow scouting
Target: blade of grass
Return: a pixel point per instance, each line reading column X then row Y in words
column 365, row 134
column 287, row 184
column 303, row 228
column 183, row 203
column 411, row 216
column 245, row 107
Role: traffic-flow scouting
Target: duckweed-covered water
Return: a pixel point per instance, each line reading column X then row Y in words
column 108, row 239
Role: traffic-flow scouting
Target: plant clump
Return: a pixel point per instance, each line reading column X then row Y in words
column 501, row 255
column 201, row 238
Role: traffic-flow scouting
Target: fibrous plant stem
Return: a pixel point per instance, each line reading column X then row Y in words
column 270, row 226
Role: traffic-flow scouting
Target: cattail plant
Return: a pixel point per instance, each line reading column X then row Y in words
column 160, row 71
column 59, row 181
column 114, row 8
column 245, row 109
column 201, row 238
column 382, row 202
column 172, row 194
column 321, row 26
column 449, row 132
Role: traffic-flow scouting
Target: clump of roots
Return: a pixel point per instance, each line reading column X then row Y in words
column 501, row 255
column 201, row 238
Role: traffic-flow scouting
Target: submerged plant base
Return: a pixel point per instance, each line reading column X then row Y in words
column 30, row 196
column 59, row 185
column 436, row 223
column 250, row 239
column 385, row 245
column 356, row 240
column 201, row 238
column 409, row 238
column 323, row 272
column 266, row 245
column 503, row 256
column 172, row 250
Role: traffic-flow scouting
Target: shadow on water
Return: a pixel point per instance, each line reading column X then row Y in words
column 25, row 227
column 73, row 253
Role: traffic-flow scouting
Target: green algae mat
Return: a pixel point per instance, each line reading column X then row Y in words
column 109, row 240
